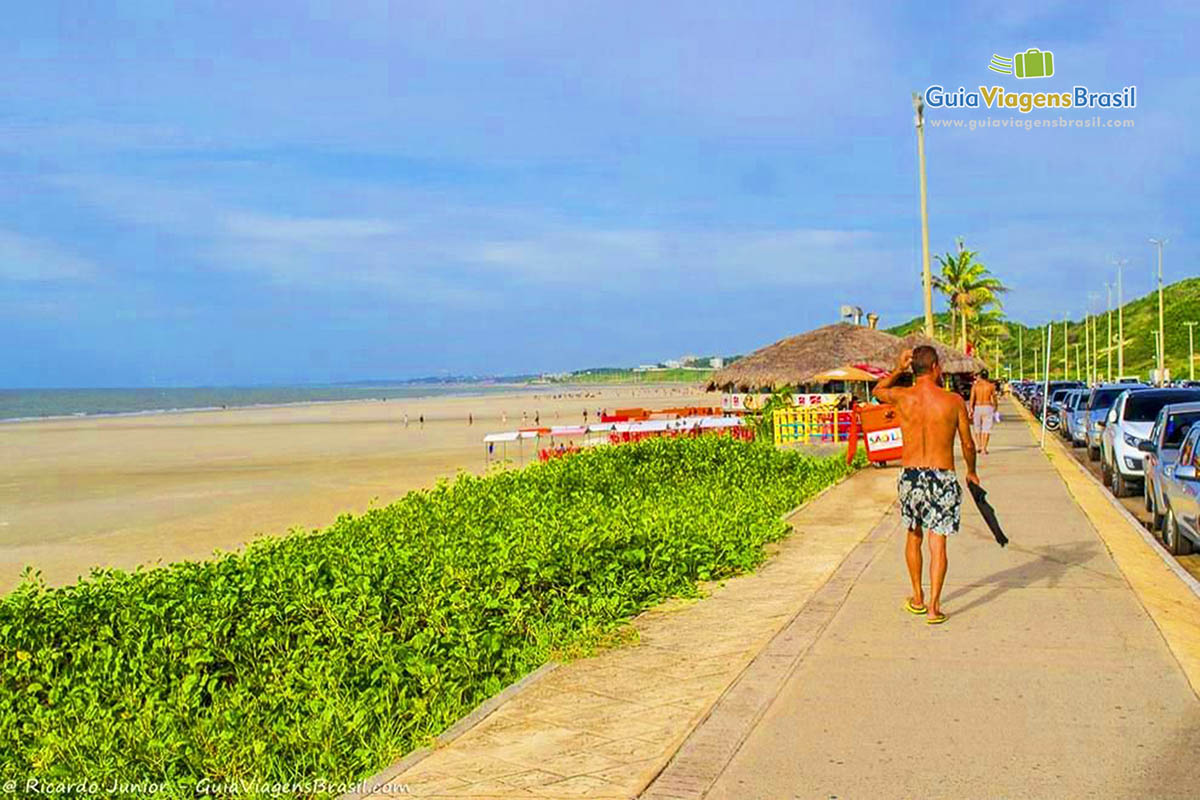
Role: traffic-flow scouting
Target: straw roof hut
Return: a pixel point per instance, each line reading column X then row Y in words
column 796, row 360
column 952, row 360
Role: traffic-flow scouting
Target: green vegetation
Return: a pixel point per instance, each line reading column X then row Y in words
column 1181, row 303
column 330, row 654
column 623, row 376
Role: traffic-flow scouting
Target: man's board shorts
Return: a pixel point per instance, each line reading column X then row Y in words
column 930, row 499
column 984, row 417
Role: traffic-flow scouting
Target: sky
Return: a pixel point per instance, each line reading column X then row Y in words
column 285, row 192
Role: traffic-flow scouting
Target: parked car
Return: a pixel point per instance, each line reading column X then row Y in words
column 1063, row 410
column 1054, row 386
column 1056, row 415
column 1181, row 498
column 1128, row 423
column 1162, row 451
column 1100, row 401
column 1076, row 427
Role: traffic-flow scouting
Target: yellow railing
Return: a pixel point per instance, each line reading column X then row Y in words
column 807, row 424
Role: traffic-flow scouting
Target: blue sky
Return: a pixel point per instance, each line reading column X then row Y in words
column 282, row 192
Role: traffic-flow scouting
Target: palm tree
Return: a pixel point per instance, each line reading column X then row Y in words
column 968, row 285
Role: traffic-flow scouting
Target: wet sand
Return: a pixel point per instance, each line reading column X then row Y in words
column 123, row 491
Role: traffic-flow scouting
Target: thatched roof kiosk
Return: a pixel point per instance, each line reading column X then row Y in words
column 793, row 362
column 953, row 361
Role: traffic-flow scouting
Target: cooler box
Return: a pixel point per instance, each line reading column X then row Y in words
column 880, row 427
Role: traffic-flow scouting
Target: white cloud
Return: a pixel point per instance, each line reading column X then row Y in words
column 26, row 259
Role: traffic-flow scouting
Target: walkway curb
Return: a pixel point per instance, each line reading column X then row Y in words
column 717, row 737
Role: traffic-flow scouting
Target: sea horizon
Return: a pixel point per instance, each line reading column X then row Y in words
column 42, row 404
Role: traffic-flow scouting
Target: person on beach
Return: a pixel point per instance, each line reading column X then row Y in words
column 930, row 495
column 983, row 409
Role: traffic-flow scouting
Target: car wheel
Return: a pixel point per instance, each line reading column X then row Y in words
column 1177, row 544
column 1105, row 474
column 1093, row 454
column 1120, row 486
column 1147, row 501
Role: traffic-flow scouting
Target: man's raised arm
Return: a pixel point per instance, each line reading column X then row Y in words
column 968, row 444
column 883, row 390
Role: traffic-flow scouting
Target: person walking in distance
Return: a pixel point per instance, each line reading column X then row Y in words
column 983, row 409
column 930, row 495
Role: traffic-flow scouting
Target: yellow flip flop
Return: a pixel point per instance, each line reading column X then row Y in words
column 936, row 620
column 910, row 608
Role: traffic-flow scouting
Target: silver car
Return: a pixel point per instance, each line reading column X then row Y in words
column 1100, row 401
column 1181, row 498
column 1162, row 451
column 1127, row 425
column 1075, row 430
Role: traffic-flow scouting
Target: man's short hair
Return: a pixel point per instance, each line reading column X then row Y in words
column 983, row 374
column 924, row 359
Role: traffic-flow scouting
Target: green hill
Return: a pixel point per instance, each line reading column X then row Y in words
column 1181, row 303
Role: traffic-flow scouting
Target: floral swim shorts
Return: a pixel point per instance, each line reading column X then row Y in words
column 930, row 499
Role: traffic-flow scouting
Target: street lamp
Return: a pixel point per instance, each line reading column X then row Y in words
column 1162, row 341
column 1120, row 264
column 1191, row 326
column 927, row 277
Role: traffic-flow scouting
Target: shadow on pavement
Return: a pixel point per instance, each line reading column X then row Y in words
column 1049, row 564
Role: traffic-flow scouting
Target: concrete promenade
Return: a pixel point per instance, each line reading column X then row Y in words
column 1050, row 678
column 1063, row 670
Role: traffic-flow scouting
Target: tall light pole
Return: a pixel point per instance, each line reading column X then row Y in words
column 1191, row 326
column 1066, row 351
column 1109, row 347
column 1021, row 350
column 1087, row 349
column 927, row 277
column 1120, row 264
column 1162, row 339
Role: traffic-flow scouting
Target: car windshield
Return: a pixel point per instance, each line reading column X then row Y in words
column 1177, row 427
column 1144, row 406
column 1076, row 397
column 1103, row 398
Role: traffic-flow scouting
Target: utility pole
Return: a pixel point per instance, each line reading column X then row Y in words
column 1120, row 263
column 1021, row 350
column 1066, row 351
column 1162, row 337
column 919, row 121
column 1109, row 347
column 1087, row 346
column 1078, row 363
column 1191, row 326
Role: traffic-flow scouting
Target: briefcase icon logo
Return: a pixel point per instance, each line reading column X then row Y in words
column 1033, row 63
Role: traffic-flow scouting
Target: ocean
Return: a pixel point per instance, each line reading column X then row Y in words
column 26, row 404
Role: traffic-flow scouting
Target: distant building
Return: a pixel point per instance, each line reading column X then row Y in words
column 716, row 362
column 673, row 363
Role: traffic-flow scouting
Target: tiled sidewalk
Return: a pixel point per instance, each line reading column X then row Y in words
column 605, row 726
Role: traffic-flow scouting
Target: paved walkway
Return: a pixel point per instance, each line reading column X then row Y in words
column 1050, row 679
column 605, row 726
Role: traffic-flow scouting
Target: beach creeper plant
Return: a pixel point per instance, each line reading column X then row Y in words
column 326, row 655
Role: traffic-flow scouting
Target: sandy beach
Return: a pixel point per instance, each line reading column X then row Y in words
column 124, row 491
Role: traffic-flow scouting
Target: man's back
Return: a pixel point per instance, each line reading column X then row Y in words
column 983, row 392
column 929, row 419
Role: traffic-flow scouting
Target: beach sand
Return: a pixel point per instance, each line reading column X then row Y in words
column 148, row 489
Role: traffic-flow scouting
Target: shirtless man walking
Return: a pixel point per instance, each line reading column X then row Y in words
column 983, row 409
column 930, row 495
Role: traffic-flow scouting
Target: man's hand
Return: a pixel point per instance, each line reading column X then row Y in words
column 973, row 477
column 905, row 361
